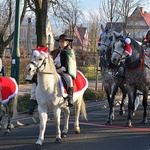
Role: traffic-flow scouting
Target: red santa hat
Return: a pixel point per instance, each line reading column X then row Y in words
column 128, row 49
column 41, row 49
column 144, row 39
column 99, row 40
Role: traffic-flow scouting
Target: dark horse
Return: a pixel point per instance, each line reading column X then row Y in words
column 146, row 43
column 110, row 80
column 137, row 72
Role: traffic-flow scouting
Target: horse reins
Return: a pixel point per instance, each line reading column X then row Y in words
column 37, row 68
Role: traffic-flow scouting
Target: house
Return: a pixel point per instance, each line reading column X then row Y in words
column 28, row 35
column 117, row 26
column 138, row 23
column 81, row 39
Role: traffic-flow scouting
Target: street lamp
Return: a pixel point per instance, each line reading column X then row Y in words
column 16, row 53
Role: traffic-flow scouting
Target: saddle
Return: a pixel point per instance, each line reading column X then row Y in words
column 80, row 84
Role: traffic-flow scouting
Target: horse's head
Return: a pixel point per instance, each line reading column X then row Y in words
column 106, row 41
column 40, row 63
column 119, row 48
column 37, row 63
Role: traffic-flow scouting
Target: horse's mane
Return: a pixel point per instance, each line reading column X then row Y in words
column 50, row 67
column 148, row 36
column 137, row 47
column 135, row 43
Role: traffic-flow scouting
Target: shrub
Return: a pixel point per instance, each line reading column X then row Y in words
column 23, row 102
column 92, row 95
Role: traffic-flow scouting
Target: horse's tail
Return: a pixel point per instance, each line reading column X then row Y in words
column 83, row 109
column 15, row 101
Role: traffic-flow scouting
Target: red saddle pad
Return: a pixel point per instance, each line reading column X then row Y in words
column 9, row 89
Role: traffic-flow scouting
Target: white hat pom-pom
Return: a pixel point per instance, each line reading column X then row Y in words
column 36, row 53
column 128, row 40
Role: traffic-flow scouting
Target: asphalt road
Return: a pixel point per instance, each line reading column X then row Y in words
column 95, row 135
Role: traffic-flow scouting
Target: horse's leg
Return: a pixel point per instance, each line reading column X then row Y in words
column 108, row 94
column 1, row 122
column 123, row 90
column 66, row 125
column 2, row 114
column 77, row 115
column 145, row 96
column 133, row 107
column 9, row 108
column 57, row 113
column 137, row 100
column 131, row 97
column 111, row 105
column 43, row 119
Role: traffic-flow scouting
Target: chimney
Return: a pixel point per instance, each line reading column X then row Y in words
column 142, row 10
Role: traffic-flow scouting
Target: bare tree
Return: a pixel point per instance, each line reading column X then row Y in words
column 68, row 12
column 109, row 9
column 40, row 7
column 7, row 19
column 125, row 7
column 94, row 30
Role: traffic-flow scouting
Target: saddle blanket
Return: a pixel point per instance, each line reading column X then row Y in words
column 8, row 89
column 80, row 84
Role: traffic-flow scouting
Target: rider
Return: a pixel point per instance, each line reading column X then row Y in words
column 65, row 62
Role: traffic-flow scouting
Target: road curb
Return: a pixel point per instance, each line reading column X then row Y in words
column 35, row 119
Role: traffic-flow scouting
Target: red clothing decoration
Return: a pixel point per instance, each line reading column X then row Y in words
column 9, row 89
column 80, row 84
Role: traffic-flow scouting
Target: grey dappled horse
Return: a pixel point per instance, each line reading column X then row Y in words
column 137, row 72
column 108, row 70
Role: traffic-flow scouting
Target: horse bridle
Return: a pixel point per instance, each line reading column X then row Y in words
column 110, row 42
column 122, row 40
column 37, row 68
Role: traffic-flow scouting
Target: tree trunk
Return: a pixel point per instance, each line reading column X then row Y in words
column 41, row 18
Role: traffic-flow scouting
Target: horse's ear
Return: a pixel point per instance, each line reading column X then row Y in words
column 102, row 28
column 115, row 35
column 50, row 67
column 127, row 33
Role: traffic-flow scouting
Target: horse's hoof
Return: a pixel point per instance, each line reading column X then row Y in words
column 64, row 135
column 108, row 122
column 121, row 112
column 113, row 117
column 144, row 120
column 37, row 146
column 7, row 133
column 77, row 131
column 128, row 123
column 133, row 113
column 58, row 140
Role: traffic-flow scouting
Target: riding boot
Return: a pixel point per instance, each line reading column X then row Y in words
column 32, row 106
column 70, row 96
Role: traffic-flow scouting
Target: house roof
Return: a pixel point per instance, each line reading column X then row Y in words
column 81, row 31
column 117, row 26
column 145, row 15
column 140, row 13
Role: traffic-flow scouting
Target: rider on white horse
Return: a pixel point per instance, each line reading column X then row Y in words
column 65, row 62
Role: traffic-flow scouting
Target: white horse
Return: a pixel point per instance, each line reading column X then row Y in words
column 48, row 94
column 8, row 101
